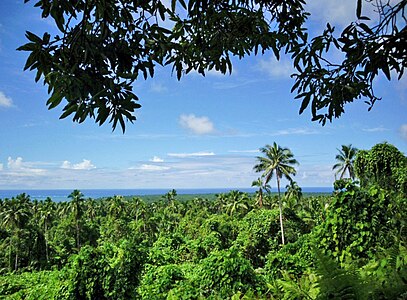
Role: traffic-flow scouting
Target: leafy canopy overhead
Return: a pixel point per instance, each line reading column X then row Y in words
column 105, row 45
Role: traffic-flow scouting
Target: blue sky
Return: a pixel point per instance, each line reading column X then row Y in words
column 194, row 133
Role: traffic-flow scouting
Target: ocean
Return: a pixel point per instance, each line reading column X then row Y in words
column 62, row 194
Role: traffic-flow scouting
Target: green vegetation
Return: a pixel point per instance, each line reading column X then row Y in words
column 348, row 245
column 278, row 161
column 102, row 47
column 345, row 160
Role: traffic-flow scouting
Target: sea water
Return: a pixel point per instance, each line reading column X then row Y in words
column 62, row 194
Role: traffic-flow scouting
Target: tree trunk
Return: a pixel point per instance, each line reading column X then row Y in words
column 46, row 241
column 16, row 262
column 9, row 255
column 260, row 198
column 77, row 235
column 343, row 173
column 16, row 246
column 280, row 207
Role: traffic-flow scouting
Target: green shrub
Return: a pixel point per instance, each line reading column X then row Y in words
column 31, row 285
column 294, row 258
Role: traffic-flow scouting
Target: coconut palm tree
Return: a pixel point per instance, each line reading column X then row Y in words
column 237, row 202
column 75, row 206
column 293, row 195
column 47, row 214
column 14, row 217
column 170, row 196
column 220, row 202
column 345, row 160
column 117, row 206
column 278, row 161
column 260, row 184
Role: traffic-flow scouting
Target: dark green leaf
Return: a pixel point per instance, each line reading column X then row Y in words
column 359, row 9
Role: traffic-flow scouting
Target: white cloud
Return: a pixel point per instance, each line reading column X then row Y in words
column 281, row 69
column 375, row 129
column 156, row 159
column 18, row 167
column 332, row 11
column 84, row 165
column 296, row 131
column 244, row 151
column 197, row 125
column 158, row 87
column 186, row 170
column 66, row 165
column 147, row 167
column 341, row 13
column 403, row 131
column 1, row 167
column 15, row 164
column 193, row 154
column 5, row 101
column 315, row 175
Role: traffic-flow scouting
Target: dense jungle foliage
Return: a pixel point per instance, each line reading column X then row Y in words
column 348, row 245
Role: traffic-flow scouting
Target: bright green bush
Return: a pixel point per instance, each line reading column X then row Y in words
column 294, row 258
column 259, row 233
column 157, row 281
column 224, row 273
column 40, row 285
column 107, row 272
column 358, row 222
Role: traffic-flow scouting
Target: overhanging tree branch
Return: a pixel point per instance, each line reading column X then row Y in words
column 93, row 66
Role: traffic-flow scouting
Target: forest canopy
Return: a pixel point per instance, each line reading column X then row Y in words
column 350, row 244
column 104, row 46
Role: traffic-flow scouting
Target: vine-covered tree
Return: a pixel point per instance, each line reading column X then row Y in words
column 278, row 161
column 103, row 46
column 383, row 165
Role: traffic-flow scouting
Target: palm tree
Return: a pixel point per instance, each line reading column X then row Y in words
column 117, row 206
column 46, row 211
column 170, row 196
column 259, row 183
column 220, row 202
column 92, row 209
column 14, row 216
column 237, row 201
column 278, row 161
column 76, row 208
column 345, row 160
column 137, row 207
column 293, row 195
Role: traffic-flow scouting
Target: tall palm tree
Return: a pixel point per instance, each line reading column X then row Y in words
column 46, row 211
column 345, row 160
column 278, row 161
column 75, row 206
column 14, row 216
